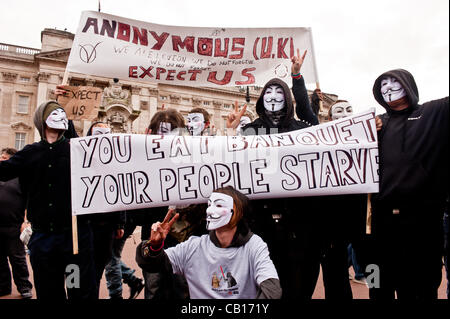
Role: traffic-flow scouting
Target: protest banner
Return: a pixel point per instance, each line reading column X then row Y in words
column 81, row 102
column 128, row 171
column 116, row 47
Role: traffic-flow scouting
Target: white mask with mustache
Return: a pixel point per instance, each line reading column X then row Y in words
column 219, row 211
column 391, row 89
column 274, row 98
column 196, row 123
column 57, row 120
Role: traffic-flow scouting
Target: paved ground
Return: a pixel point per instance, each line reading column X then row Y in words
column 359, row 291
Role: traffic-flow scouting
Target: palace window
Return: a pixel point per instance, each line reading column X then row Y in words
column 23, row 103
column 20, row 140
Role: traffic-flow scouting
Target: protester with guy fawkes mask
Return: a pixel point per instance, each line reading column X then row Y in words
column 44, row 172
column 414, row 184
column 198, row 122
column 279, row 221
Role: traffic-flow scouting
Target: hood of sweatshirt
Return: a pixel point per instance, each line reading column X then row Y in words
column 39, row 120
column 240, row 238
column 406, row 80
column 288, row 107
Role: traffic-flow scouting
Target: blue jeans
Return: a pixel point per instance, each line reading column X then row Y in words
column 352, row 261
column 116, row 270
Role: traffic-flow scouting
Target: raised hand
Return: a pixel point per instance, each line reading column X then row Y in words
column 234, row 117
column 378, row 123
column 297, row 62
column 160, row 230
column 60, row 90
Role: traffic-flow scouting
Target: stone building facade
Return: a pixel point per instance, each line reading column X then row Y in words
column 29, row 77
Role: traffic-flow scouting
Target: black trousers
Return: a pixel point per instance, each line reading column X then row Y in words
column 52, row 259
column 12, row 249
column 103, row 240
column 407, row 247
column 298, row 255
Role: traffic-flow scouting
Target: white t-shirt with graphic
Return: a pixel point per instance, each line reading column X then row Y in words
column 216, row 273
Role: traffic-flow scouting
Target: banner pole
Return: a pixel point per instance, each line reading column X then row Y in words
column 74, row 217
column 369, row 215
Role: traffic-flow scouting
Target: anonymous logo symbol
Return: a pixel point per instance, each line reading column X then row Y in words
column 281, row 71
column 88, row 52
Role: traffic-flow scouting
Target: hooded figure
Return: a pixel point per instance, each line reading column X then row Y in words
column 44, row 171
column 41, row 116
column 285, row 116
column 414, row 184
column 278, row 221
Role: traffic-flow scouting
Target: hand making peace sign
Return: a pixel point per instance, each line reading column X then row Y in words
column 234, row 117
column 160, row 230
column 297, row 62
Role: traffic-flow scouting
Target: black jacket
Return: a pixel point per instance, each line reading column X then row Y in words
column 289, row 123
column 44, row 172
column 12, row 205
column 413, row 147
column 264, row 217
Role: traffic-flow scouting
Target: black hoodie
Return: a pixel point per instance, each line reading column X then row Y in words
column 288, row 122
column 413, row 147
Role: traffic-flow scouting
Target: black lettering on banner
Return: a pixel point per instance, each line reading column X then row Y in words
column 168, row 181
column 328, row 171
column 345, row 165
column 307, row 138
column 204, row 146
column 111, row 189
column 257, row 177
column 308, row 159
column 179, row 146
column 126, row 188
column 185, row 183
column 374, row 160
column 360, row 160
column 238, row 180
column 330, row 138
column 206, row 181
column 295, row 183
column 105, row 150
column 236, row 143
column 281, row 140
column 122, row 153
column 223, row 175
column 365, row 121
column 259, row 141
column 152, row 147
column 91, row 187
column 88, row 148
column 345, row 133
column 140, row 186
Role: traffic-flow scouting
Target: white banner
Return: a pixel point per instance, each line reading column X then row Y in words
column 129, row 171
column 117, row 47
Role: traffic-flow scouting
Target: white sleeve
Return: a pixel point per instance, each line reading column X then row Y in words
column 262, row 264
column 179, row 254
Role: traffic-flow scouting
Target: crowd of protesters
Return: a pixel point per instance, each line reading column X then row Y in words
column 233, row 247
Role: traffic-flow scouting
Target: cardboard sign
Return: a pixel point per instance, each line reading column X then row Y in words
column 129, row 171
column 116, row 47
column 81, row 102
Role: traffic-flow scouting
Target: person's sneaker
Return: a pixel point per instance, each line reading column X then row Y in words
column 26, row 295
column 136, row 288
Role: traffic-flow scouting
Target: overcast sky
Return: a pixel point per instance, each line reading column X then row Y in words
column 355, row 41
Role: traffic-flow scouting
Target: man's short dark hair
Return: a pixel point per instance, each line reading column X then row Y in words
column 9, row 150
